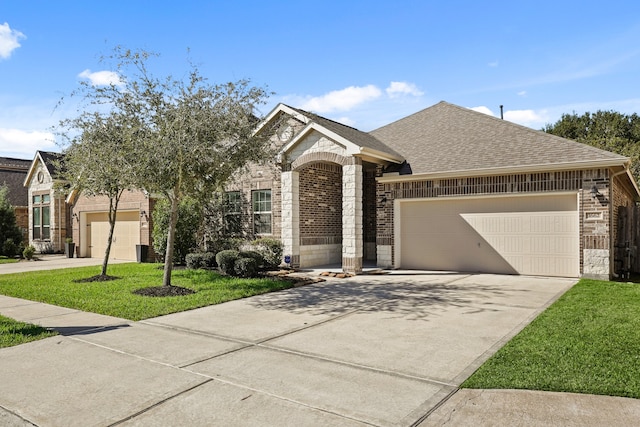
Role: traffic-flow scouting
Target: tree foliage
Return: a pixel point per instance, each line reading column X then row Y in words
column 183, row 138
column 607, row 130
column 99, row 158
column 10, row 234
column 189, row 222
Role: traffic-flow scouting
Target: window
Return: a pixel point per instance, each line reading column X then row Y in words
column 232, row 212
column 261, row 211
column 41, row 217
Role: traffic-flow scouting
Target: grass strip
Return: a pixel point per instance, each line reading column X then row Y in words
column 586, row 342
column 13, row 332
column 115, row 298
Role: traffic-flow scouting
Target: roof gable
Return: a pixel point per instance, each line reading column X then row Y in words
column 448, row 138
column 46, row 158
column 356, row 142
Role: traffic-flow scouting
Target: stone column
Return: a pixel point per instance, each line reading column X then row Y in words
column 352, row 233
column 290, row 184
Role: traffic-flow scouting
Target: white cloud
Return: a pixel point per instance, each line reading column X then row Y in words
column 101, row 78
column 345, row 121
column 24, row 144
column 341, row 100
column 9, row 40
column 397, row 89
column 530, row 118
column 483, row 109
column 493, row 64
column 522, row 93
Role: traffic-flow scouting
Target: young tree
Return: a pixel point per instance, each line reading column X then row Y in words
column 99, row 158
column 187, row 227
column 209, row 131
column 607, row 130
column 187, row 136
column 10, row 234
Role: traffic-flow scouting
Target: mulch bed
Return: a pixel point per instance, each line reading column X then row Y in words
column 97, row 278
column 164, row 291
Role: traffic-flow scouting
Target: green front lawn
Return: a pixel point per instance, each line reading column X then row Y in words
column 13, row 332
column 5, row 260
column 115, row 298
column 586, row 342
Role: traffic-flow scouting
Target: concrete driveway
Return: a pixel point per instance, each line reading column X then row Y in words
column 370, row 350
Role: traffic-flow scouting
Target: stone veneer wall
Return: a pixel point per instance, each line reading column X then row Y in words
column 594, row 213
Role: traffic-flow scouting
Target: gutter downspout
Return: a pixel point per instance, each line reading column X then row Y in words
column 612, row 272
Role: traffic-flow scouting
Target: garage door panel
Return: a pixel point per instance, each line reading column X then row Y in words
column 522, row 235
column 126, row 235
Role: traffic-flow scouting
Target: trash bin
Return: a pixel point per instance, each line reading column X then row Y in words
column 141, row 253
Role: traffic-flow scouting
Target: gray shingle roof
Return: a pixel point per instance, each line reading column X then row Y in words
column 12, row 173
column 50, row 158
column 447, row 138
column 356, row 136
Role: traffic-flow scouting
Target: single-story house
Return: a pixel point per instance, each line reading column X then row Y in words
column 446, row 188
column 55, row 216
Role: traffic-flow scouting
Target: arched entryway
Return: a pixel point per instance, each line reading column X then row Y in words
column 328, row 188
column 320, row 214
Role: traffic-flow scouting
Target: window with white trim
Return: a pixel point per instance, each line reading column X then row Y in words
column 233, row 212
column 261, row 202
column 41, row 212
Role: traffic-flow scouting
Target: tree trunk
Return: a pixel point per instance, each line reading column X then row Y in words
column 168, row 257
column 113, row 210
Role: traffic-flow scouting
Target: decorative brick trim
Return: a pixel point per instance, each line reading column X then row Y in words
column 320, row 157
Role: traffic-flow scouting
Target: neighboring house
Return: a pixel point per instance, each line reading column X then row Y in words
column 446, row 188
column 134, row 226
column 49, row 215
column 12, row 173
column 55, row 216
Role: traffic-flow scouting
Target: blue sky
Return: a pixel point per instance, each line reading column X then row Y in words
column 364, row 63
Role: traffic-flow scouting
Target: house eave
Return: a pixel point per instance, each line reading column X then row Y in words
column 590, row 164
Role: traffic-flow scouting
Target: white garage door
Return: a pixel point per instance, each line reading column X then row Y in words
column 532, row 235
column 126, row 235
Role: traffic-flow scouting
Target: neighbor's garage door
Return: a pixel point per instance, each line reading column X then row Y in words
column 533, row 235
column 126, row 235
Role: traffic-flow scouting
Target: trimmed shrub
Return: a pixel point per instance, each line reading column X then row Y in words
column 9, row 248
column 245, row 267
column 271, row 251
column 209, row 260
column 257, row 256
column 226, row 260
column 28, row 252
column 195, row 261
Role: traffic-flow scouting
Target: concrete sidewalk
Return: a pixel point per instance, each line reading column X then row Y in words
column 52, row 262
column 385, row 350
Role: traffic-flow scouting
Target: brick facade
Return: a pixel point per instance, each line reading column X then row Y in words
column 320, row 204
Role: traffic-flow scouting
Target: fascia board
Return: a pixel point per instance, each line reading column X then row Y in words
column 280, row 108
column 506, row 170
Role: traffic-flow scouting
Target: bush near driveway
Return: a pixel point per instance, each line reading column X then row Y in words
column 115, row 297
column 586, row 342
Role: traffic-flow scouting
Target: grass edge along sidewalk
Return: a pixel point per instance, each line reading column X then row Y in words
column 13, row 332
column 115, row 298
column 588, row 341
